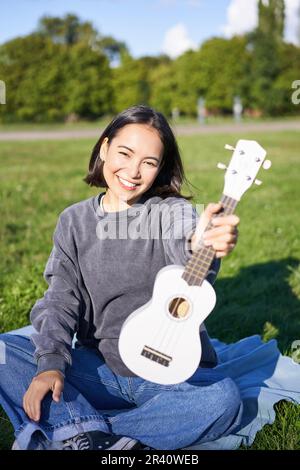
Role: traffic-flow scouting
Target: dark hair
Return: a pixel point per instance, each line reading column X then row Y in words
column 171, row 174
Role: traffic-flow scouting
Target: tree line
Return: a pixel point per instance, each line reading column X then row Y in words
column 67, row 70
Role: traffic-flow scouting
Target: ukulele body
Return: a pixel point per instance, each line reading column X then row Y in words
column 160, row 341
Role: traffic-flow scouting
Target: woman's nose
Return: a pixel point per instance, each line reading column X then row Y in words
column 134, row 170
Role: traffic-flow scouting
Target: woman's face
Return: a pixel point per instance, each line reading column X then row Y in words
column 131, row 162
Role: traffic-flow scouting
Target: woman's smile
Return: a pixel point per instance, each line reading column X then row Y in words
column 127, row 184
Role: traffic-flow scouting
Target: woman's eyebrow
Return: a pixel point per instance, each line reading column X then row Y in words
column 130, row 150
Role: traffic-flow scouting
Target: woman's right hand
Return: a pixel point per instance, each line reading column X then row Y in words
column 41, row 384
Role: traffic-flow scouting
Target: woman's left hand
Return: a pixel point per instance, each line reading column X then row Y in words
column 222, row 237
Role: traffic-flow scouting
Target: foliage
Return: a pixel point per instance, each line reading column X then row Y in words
column 267, row 43
column 46, row 81
column 68, row 30
column 68, row 70
column 88, row 88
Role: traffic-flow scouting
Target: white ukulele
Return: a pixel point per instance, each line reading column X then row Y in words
column 160, row 341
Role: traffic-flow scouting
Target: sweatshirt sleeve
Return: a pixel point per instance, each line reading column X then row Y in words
column 55, row 315
column 179, row 221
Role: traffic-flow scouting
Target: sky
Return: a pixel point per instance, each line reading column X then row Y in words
column 148, row 27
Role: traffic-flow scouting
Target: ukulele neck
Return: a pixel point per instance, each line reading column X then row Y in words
column 198, row 266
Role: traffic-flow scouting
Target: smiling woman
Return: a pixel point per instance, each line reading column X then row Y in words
column 95, row 283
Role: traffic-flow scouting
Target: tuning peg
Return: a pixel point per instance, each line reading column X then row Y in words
column 258, row 182
column 267, row 164
column 221, row 166
column 229, row 147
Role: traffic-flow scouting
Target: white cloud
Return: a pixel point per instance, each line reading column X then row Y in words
column 292, row 20
column 242, row 16
column 177, row 41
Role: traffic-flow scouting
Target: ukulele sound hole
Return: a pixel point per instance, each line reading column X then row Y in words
column 179, row 308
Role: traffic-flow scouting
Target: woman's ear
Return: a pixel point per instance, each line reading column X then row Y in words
column 103, row 149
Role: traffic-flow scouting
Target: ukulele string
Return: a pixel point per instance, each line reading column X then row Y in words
column 179, row 326
column 161, row 334
column 166, row 344
column 227, row 208
column 169, row 334
column 171, row 331
column 182, row 326
column 168, row 339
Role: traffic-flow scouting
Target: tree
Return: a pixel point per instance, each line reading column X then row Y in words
column 266, row 42
column 161, row 83
column 131, row 83
column 113, row 49
column 216, row 71
column 47, row 81
column 223, row 72
column 289, row 72
column 88, row 85
column 68, row 30
column 271, row 18
column 34, row 71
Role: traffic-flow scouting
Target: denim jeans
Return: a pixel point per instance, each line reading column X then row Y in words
column 166, row 417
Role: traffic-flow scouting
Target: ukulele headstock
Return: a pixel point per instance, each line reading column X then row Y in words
column 248, row 156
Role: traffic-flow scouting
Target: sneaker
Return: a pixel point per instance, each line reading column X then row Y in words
column 98, row 440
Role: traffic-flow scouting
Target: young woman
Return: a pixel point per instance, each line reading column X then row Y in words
column 99, row 271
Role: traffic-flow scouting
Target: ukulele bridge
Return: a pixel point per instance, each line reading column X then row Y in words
column 156, row 356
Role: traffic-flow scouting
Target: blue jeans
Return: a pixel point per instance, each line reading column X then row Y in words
column 167, row 417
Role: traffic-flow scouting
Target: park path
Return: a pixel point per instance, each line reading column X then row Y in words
column 230, row 128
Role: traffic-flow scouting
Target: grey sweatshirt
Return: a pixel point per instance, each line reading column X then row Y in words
column 101, row 268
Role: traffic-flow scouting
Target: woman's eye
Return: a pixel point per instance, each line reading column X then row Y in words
column 148, row 163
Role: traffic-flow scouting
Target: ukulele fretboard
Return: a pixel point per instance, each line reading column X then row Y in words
column 198, row 266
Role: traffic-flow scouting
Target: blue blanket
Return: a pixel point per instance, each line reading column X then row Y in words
column 264, row 377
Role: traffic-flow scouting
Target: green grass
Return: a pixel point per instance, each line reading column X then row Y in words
column 101, row 123
column 258, row 287
column 28, row 126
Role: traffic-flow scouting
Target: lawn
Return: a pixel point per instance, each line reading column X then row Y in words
column 258, row 286
column 102, row 122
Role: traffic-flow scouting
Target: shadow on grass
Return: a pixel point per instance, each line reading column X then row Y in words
column 262, row 300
